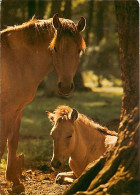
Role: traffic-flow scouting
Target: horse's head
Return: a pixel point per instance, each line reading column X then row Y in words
column 63, row 135
column 66, row 47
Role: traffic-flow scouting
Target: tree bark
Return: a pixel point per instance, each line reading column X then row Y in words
column 128, row 21
column 117, row 171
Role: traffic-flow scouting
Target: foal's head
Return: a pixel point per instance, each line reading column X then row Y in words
column 66, row 47
column 63, row 134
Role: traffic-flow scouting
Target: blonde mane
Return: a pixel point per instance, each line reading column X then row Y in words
column 64, row 112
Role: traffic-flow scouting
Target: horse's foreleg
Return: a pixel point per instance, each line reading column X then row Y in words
column 12, row 161
column 3, row 140
column 12, row 158
column 65, row 177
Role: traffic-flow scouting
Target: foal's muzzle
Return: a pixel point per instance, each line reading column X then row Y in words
column 65, row 89
column 55, row 163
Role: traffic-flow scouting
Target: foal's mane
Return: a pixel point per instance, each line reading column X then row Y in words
column 65, row 111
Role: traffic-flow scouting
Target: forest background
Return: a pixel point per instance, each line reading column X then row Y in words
column 98, row 85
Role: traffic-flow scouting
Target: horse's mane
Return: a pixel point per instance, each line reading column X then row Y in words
column 65, row 111
column 67, row 28
column 31, row 24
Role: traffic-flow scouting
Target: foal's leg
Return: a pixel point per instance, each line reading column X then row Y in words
column 65, row 177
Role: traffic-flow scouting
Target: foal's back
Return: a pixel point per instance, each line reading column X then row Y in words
column 98, row 138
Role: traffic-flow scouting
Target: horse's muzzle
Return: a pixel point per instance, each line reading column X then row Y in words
column 64, row 89
column 56, row 163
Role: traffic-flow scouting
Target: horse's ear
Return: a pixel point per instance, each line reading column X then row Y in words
column 50, row 116
column 56, row 21
column 81, row 24
column 74, row 115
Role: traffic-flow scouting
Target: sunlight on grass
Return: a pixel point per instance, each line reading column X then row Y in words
column 91, row 80
column 94, row 104
column 112, row 90
column 27, row 120
column 3, row 164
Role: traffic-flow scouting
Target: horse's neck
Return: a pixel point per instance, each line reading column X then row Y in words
column 89, row 145
column 29, row 49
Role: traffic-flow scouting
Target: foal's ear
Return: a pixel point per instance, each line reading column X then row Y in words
column 56, row 21
column 50, row 116
column 81, row 24
column 74, row 115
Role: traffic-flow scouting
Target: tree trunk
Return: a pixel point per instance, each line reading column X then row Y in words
column 89, row 21
column 31, row 8
column 42, row 4
column 128, row 21
column 100, row 21
column 67, row 10
column 56, row 7
column 117, row 171
column 99, row 30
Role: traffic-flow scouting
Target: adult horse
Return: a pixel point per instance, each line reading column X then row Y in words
column 28, row 53
column 79, row 138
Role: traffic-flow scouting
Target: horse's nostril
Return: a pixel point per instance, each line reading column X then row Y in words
column 59, row 85
column 72, row 86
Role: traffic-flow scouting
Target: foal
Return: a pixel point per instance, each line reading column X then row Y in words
column 77, row 137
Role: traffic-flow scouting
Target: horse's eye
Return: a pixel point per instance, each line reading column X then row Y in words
column 79, row 51
column 55, row 49
column 69, row 136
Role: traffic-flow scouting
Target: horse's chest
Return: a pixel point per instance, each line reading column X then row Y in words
column 18, row 94
column 77, row 168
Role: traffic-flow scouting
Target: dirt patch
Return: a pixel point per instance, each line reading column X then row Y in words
column 36, row 182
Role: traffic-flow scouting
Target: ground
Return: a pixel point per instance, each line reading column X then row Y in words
column 35, row 182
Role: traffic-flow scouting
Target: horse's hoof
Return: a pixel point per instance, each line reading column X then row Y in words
column 18, row 188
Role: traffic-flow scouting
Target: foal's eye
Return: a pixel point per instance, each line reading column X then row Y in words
column 55, row 49
column 69, row 136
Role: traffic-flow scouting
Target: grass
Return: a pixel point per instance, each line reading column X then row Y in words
column 102, row 105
